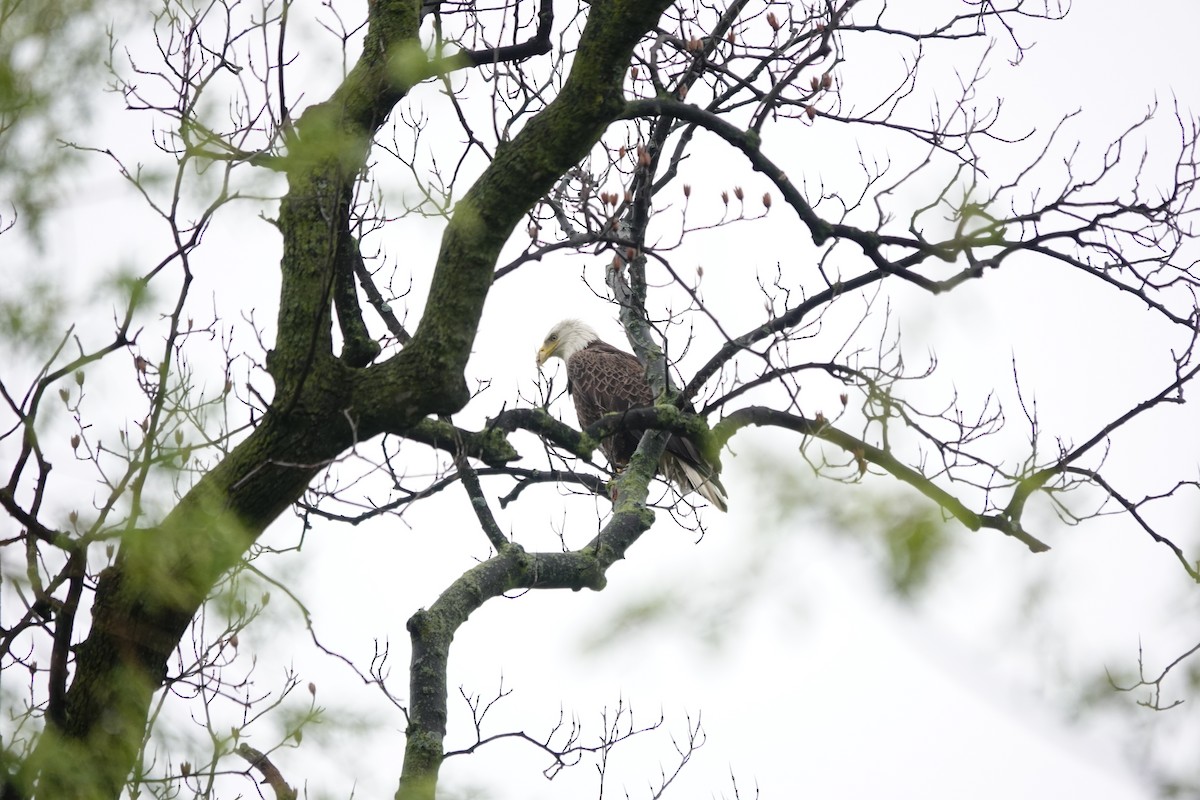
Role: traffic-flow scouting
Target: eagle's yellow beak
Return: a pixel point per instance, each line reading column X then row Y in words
column 545, row 352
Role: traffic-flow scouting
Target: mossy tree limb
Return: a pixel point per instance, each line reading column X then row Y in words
column 433, row 629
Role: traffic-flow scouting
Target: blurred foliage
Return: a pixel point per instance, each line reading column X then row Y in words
column 52, row 58
column 128, row 289
column 905, row 534
column 32, row 317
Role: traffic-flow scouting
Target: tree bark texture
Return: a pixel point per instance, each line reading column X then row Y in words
column 323, row 406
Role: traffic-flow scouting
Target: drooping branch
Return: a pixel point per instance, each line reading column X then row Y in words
column 866, row 453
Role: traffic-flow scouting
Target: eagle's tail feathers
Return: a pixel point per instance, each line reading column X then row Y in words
column 690, row 479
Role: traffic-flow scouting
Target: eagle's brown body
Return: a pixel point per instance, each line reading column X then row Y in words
column 603, row 379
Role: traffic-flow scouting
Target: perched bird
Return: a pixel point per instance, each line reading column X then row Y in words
column 603, row 379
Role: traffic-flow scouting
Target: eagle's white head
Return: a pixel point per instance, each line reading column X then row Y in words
column 565, row 340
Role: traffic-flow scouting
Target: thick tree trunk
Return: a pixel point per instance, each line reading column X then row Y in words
column 322, row 407
column 145, row 602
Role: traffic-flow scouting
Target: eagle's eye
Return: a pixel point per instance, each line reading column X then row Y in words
column 553, row 337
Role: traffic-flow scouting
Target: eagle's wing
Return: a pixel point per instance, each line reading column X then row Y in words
column 603, row 379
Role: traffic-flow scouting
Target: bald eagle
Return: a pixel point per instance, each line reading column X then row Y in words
column 603, row 379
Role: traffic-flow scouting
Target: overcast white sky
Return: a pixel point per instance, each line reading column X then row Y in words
column 810, row 678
